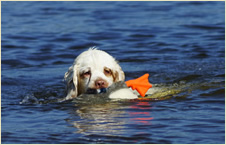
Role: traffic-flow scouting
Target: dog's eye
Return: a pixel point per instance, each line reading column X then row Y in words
column 88, row 73
column 107, row 71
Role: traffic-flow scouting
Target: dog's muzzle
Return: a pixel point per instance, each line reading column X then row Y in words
column 96, row 91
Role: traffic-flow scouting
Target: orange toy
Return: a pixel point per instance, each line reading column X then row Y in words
column 141, row 84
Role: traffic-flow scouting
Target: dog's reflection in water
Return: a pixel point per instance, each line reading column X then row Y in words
column 103, row 119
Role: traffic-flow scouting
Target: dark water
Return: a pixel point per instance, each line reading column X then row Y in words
column 177, row 43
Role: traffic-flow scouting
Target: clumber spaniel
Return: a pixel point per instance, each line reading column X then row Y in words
column 92, row 71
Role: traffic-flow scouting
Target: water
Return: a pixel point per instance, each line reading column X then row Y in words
column 180, row 44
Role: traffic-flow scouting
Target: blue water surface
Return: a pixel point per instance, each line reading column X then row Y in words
column 177, row 43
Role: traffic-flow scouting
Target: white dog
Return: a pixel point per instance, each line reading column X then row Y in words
column 93, row 70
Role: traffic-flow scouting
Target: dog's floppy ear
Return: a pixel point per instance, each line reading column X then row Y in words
column 118, row 74
column 71, row 80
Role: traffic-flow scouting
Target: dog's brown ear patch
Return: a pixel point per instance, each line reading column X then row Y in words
column 118, row 76
column 115, row 76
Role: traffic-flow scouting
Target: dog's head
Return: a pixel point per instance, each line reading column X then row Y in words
column 92, row 70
